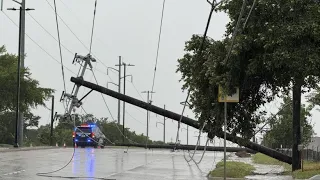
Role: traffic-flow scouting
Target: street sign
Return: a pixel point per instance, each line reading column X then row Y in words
column 234, row 98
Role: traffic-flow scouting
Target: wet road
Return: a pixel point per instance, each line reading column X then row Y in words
column 108, row 163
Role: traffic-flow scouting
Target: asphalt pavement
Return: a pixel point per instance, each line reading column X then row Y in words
column 108, row 163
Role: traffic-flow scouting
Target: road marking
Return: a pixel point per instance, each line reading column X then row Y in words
column 16, row 172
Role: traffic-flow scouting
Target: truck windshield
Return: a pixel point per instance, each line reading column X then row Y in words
column 84, row 129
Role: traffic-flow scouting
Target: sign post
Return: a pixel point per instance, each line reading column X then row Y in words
column 222, row 97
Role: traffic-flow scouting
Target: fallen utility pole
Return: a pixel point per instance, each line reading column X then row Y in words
column 189, row 147
column 235, row 139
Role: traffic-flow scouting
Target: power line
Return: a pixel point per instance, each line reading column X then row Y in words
column 39, row 45
column 68, row 26
column 158, row 47
column 105, row 102
column 94, row 17
column 79, row 21
column 76, row 35
column 49, row 33
column 199, row 55
column 57, row 23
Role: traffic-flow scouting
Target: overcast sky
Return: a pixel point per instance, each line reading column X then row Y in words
column 122, row 28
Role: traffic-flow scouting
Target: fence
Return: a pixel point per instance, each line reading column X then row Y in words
column 312, row 154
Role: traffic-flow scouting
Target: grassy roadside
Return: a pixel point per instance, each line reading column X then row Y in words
column 234, row 169
column 309, row 168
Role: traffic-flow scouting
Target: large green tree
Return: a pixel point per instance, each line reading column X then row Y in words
column 280, row 132
column 31, row 95
column 277, row 51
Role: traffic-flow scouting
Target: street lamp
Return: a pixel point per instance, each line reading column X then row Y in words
column 16, row 145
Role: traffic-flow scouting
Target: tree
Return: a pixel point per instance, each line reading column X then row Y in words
column 276, row 52
column 31, row 96
column 280, row 133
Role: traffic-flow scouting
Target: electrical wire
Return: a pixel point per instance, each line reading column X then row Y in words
column 234, row 34
column 49, row 33
column 105, row 102
column 39, row 45
column 79, row 21
column 252, row 7
column 94, row 17
column 198, row 143
column 57, row 23
column 76, row 35
column 158, row 47
column 46, row 174
column 204, row 151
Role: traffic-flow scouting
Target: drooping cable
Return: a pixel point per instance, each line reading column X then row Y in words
column 57, row 25
column 47, row 174
column 158, row 47
column 94, row 17
column 199, row 55
column 198, row 143
column 203, row 153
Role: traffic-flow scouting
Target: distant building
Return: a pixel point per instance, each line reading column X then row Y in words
column 314, row 144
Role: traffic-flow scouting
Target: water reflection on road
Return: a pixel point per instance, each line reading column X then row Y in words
column 109, row 163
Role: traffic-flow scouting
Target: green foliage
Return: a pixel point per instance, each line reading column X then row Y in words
column 280, row 132
column 280, row 36
column 233, row 169
column 31, row 96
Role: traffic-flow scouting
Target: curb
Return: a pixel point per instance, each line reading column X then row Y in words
column 221, row 178
column 27, row 149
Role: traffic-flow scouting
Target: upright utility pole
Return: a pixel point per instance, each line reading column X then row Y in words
column 119, row 89
column 149, row 102
column 52, row 120
column 23, row 29
column 19, row 115
column 164, row 126
column 124, row 92
column 119, row 84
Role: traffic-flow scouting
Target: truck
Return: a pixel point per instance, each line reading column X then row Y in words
column 88, row 135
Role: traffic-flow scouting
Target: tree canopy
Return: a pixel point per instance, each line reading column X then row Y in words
column 280, row 133
column 277, row 48
column 31, row 96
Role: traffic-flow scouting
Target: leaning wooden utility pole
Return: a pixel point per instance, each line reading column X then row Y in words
column 169, row 114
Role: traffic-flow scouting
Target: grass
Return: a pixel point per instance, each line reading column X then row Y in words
column 309, row 168
column 233, row 169
column 260, row 158
column 5, row 145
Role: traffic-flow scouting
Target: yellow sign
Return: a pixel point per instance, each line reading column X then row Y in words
column 234, row 98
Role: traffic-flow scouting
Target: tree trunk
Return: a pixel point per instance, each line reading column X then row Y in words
column 296, row 105
column 235, row 139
